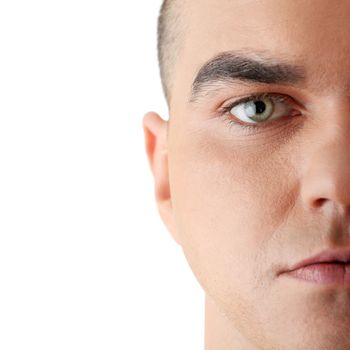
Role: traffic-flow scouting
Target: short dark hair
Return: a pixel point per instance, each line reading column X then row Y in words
column 168, row 42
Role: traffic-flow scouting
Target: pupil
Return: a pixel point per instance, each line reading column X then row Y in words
column 260, row 107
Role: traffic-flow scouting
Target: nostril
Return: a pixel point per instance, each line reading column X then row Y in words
column 318, row 202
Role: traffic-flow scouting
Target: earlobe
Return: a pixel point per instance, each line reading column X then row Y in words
column 155, row 131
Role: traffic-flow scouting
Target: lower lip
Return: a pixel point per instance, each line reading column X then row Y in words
column 324, row 273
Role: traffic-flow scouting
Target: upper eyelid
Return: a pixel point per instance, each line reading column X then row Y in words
column 275, row 96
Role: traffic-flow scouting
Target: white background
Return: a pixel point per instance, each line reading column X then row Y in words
column 85, row 261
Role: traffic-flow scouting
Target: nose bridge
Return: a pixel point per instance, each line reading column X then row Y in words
column 326, row 171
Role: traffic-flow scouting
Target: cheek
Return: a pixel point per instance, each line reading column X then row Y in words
column 227, row 204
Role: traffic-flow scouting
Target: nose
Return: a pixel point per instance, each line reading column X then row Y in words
column 326, row 172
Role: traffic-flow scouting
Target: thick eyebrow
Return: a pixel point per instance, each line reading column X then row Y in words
column 235, row 66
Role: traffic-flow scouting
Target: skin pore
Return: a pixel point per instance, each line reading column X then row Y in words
column 248, row 200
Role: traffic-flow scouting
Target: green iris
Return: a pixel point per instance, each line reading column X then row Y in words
column 261, row 108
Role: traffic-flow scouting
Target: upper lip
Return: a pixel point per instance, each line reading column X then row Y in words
column 329, row 255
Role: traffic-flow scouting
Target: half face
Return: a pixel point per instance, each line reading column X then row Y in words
column 251, row 197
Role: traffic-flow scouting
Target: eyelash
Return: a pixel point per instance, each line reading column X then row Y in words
column 225, row 111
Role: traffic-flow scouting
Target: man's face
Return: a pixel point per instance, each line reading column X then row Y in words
column 249, row 203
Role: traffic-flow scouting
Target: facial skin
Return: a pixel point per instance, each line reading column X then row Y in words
column 246, row 204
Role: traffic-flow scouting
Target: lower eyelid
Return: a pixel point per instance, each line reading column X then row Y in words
column 256, row 126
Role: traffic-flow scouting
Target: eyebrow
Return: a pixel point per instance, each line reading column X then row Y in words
column 239, row 67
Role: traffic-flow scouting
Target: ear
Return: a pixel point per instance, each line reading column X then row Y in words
column 155, row 131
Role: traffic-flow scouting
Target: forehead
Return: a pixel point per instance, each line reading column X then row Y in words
column 310, row 33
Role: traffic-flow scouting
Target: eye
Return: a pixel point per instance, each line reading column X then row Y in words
column 257, row 109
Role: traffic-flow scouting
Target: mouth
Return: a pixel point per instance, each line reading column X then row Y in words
column 330, row 267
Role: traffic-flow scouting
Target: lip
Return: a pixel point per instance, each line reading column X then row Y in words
column 331, row 267
column 330, row 255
